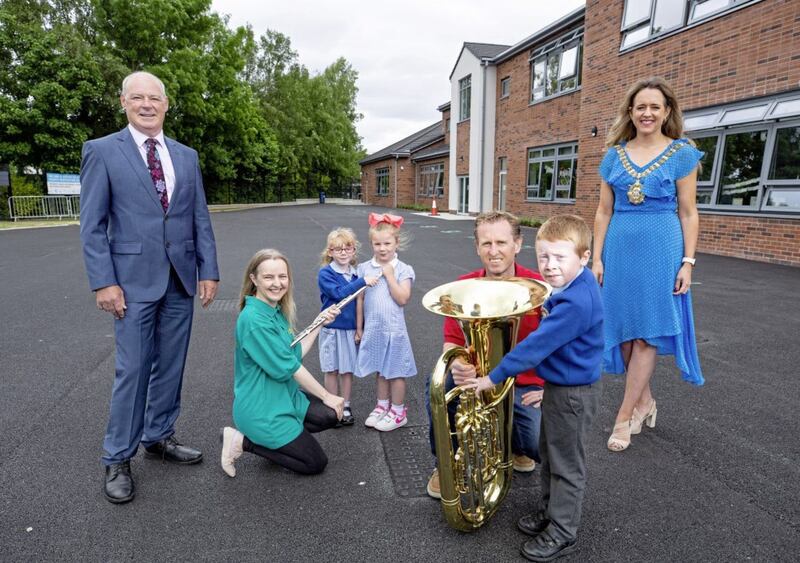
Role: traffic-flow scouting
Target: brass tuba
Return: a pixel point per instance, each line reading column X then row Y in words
column 475, row 458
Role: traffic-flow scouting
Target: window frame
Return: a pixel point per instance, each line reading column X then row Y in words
column 505, row 84
column 688, row 7
column 464, row 85
column 556, row 49
column 380, row 175
column 555, row 159
column 765, row 184
column 437, row 188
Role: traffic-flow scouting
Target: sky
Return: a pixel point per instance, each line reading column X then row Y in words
column 403, row 51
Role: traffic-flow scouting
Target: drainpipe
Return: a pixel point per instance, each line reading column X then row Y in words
column 485, row 67
column 396, row 157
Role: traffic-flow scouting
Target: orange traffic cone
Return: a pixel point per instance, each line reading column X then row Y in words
column 434, row 211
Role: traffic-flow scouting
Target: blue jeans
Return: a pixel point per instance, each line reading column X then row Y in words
column 524, row 433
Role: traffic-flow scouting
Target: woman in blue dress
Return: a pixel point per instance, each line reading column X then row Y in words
column 646, row 230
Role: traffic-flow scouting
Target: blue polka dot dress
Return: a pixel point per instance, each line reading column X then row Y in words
column 385, row 346
column 641, row 257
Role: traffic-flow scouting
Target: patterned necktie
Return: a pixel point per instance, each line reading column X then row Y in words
column 157, row 172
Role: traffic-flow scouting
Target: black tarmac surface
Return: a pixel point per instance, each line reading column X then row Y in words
column 716, row 480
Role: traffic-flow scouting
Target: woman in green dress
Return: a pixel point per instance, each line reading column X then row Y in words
column 277, row 403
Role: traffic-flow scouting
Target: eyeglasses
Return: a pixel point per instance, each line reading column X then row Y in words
column 342, row 249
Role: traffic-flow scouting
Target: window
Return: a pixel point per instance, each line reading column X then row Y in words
column 431, row 180
column 741, row 168
column 733, row 175
column 552, row 173
column 645, row 19
column 705, row 179
column 465, row 97
column 505, row 87
column 555, row 68
column 382, row 181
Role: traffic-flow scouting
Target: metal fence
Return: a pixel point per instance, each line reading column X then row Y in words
column 44, row 206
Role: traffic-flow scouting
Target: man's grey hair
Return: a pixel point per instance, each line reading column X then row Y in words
column 127, row 80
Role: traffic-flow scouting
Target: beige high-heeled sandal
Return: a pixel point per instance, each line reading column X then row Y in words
column 638, row 420
column 620, row 437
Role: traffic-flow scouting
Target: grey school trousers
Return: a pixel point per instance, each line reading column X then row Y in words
column 567, row 415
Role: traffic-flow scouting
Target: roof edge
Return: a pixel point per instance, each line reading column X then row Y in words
column 568, row 20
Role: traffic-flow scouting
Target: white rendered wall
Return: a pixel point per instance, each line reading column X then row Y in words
column 482, row 128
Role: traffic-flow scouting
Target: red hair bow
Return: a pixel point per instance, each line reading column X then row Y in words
column 375, row 218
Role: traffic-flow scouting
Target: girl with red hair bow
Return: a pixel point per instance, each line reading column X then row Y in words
column 385, row 348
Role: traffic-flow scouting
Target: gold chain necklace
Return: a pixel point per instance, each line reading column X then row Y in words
column 635, row 193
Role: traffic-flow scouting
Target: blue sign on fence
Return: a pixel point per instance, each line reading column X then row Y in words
column 63, row 184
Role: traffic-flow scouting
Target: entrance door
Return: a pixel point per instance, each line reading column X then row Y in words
column 463, row 194
column 501, row 184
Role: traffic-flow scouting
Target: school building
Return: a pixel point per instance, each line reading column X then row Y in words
column 525, row 126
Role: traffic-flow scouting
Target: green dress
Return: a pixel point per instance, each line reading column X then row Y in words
column 268, row 405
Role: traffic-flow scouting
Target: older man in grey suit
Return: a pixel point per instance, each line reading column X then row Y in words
column 147, row 239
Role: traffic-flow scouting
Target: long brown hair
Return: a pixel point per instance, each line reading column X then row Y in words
column 623, row 128
column 287, row 305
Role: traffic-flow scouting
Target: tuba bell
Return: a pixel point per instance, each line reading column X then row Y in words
column 474, row 455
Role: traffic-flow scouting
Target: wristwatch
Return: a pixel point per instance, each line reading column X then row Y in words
column 688, row 260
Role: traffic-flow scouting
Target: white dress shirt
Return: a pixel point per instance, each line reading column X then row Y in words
column 161, row 147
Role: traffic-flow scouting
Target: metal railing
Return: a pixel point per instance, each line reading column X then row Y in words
column 44, row 206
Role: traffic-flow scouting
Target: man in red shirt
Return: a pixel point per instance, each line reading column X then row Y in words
column 498, row 240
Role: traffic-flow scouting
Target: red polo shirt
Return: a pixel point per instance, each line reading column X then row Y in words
column 530, row 322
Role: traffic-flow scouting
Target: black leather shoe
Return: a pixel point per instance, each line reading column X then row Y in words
column 544, row 547
column 171, row 450
column 118, row 486
column 347, row 418
column 533, row 524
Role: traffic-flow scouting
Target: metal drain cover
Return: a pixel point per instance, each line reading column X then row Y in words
column 408, row 454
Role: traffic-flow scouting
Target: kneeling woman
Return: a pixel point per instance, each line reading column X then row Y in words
column 274, row 417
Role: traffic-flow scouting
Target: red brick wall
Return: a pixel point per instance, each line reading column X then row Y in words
column 750, row 52
column 520, row 126
column 462, row 149
column 405, row 182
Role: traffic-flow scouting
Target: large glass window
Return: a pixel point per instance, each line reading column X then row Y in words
column 552, row 173
column 752, row 161
column 741, row 168
column 382, row 181
column 556, row 67
column 644, row 19
column 465, row 97
column 431, row 180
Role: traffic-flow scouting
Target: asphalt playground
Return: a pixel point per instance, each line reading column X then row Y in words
column 715, row 480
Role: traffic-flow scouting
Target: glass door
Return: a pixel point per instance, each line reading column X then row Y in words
column 501, row 184
column 463, row 194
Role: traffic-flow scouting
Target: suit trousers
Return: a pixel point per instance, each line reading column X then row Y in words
column 152, row 340
column 567, row 415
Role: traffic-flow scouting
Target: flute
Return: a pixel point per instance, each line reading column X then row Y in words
column 341, row 304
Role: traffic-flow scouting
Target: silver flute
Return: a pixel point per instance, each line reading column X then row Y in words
column 341, row 304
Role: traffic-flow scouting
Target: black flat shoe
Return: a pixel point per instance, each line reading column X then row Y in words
column 118, row 486
column 544, row 547
column 533, row 524
column 171, row 450
column 347, row 418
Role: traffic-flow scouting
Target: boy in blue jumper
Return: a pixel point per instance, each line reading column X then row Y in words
column 566, row 351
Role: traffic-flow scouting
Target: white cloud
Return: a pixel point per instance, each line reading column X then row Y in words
column 403, row 51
